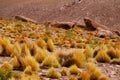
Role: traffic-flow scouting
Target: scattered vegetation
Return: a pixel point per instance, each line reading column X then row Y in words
column 29, row 50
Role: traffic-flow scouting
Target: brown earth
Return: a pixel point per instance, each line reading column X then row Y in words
column 104, row 11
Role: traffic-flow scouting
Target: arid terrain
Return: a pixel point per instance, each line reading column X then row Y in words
column 106, row 12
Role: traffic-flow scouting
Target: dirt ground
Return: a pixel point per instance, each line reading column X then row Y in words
column 104, row 11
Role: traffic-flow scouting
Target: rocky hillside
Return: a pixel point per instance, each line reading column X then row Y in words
column 103, row 11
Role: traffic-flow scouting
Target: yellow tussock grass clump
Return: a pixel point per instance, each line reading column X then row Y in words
column 93, row 60
column 30, row 61
column 73, row 78
column 6, row 65
column 25, row 50
column 41, row 43
column 117, row 53
column 65, row 72
column 7, row 46
column 76, row 57
column 22, row 62
column 30, row 77
column 111, row 52
column 40, row 54
column 84, row 76
column 14, row 62
column 88, row 51
column 16, row 50
column 1, row 49
column 51, row 61
column 50, row 45
column 29, row 44
column 52, row 73
column 115, row 61
column 74, row 69
column 28, row 70
column 93, row 71
column 102, row 55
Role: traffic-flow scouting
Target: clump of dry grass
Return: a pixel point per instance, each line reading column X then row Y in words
column 16, row 50
column 6, row 65
column 76, row 56
column 22, row 62
column 84, row 76
column 52, row 73
column 102, row 55
column 29, row 44
column 25, row 50
column 65, row 72
column 30, row 61
column 50, row 45
column 88, row 52
column 74, row 69
column 30, row 77
column 117, row 53
column 7, row 46
column 111, row 52
column 40, row 54
column 41, row 43
column 93, row 60
column 28, row 70
column 50, row 61
column 73, row 78
column 93, row 71
column 1, row 49
column 14, row 62
column 115, row 61
column 31, row 70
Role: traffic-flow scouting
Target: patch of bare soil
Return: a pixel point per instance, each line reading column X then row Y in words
column 111, row 70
